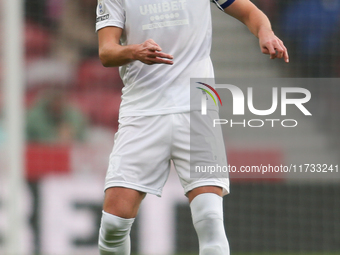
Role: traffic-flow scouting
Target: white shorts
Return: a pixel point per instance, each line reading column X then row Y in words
column 145, row 145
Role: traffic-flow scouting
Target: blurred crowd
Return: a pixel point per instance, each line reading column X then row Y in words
column 311, row 32
column 310, row 29
column 68, row 90
column 72, row 101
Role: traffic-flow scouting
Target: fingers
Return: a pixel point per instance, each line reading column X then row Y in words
column 152, row 61
column 271, row 50
column 164, row 55
column 159, row 58
column 285, row 52
column 152, row 45
column 154, row 54
column 281, row 50
column 153, row 48
column 152, row 42
column 276, row 49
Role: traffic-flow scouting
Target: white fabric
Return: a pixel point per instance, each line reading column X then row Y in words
column 207, row 216
column 182, row 28
column 114, row 235
column 144, row 146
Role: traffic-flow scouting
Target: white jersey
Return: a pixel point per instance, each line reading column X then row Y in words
column 181, row 28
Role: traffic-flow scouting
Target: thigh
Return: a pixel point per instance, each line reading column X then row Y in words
column 140, row 159
column 123, row 202
column 200, row 144
column 204, row 189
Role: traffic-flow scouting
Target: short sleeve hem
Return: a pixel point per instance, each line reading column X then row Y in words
column 109, row 23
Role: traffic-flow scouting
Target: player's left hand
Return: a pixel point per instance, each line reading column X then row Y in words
column 270, row 44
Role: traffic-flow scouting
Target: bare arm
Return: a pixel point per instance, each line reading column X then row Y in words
column 111, row 53
column 258, row 23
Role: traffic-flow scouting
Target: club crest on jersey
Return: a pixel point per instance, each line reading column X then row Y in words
column 101, row 7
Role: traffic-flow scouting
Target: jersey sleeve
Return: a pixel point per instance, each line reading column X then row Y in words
column 222, row 4
column 110, row 13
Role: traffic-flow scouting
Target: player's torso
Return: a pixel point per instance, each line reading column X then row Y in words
column 182, row 28
column 155, row 14
column 165, row 20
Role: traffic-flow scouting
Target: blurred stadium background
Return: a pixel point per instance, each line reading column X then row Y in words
column 71, row 110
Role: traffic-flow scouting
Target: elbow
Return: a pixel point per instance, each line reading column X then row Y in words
column 105, row 63
column 104, row 59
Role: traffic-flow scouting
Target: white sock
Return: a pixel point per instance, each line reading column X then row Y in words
column 114, row 235
column 207, row 216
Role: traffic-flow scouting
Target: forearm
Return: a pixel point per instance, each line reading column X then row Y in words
column 246, row 12
column 113, row 54
column 116, row 55
column 257, row 22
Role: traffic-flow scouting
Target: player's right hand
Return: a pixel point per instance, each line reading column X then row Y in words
column 149, row 52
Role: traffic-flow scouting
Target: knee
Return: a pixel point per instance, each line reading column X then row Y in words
column 207, row 215
column 113, row 230
column 207, row 207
